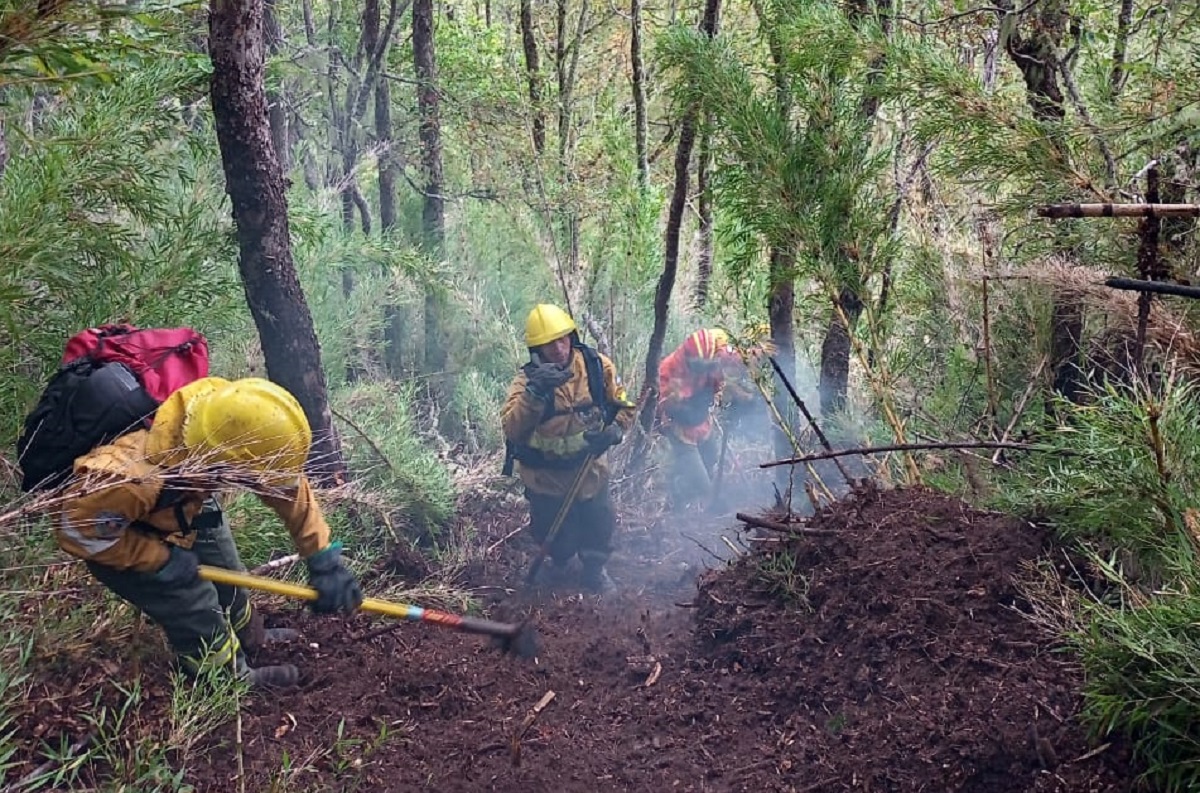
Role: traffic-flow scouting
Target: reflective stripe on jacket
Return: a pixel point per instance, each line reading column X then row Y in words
column 557, row 432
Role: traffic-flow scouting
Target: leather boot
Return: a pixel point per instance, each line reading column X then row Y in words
column 253, row 636
column 595, row 578
column 278, row 676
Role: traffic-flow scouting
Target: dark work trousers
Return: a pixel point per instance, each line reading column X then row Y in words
column 691, row 468
column 586, row 530
column 193, row 616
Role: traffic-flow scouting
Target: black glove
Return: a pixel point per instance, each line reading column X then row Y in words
column 600, row 440
column 337, row 590
column 689, row 413
column 182, row 568
column 542, row 378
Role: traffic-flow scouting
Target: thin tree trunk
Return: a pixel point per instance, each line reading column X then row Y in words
column 1116, row 79
column 781, row 312
column 666, row 281
column 566, row 68
column 835, row 352
column 3, row 149
column 639, row 95
column 533, row 76
column 1036, row 55
column 704, row 257
column 276, row 101
column 387, row 162
column 429, row 131
column 254, row 182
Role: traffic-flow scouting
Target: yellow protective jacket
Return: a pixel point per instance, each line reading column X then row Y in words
column 558, row 432
column 96, row 522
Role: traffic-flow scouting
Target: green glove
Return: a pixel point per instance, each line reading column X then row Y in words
column 337, row 589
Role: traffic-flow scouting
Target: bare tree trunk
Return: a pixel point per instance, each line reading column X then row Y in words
column 835, row 351
column 666, row 281
column 1035, row 53
column 534, row 76
column 3, row 149
column 566, row 68
column 387, row 162
column 433, row 212
column 393, row 330
column 255, row 186
column 1116, row 80
column 781, row 312
column 639, row 95
column 276, row 101
column 704, row 256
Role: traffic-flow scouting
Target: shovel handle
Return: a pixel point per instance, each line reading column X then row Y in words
column 404, row 611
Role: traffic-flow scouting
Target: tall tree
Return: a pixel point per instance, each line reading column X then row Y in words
column 1033, row 44
column 254, row 182
column 666, row 281
column 429, row 131
column 277, row 99
column 639, row 94
column 533, row 76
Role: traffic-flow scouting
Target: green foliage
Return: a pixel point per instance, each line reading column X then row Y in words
column 1134, row 472
column 1124, row 498
column 109, row 212
column 1143, row 681
column 389, row 454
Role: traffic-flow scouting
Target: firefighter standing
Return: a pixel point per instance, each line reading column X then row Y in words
column 564, row 410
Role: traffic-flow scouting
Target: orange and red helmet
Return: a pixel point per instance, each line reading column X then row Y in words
column 707, row 344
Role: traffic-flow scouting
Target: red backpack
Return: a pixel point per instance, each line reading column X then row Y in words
column 111, row 381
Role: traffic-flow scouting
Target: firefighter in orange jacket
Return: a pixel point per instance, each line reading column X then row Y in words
column 564, row 410
column 143, row 528
column 699, row 373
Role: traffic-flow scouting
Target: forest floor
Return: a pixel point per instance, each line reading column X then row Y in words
column 894, row 654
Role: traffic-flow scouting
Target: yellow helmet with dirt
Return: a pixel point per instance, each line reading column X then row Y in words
column 547, row 323
column 251, row 422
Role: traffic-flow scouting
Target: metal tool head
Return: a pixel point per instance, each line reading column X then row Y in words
column 522, row 642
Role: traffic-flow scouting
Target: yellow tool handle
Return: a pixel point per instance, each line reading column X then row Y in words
column 219, row 575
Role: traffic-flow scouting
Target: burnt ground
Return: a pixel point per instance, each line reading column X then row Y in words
column 887, row 653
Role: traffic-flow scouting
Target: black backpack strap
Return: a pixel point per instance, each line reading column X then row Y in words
column 596, row 386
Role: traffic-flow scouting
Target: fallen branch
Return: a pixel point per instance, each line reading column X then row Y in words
column 1058, row 211
column 274, row 564
column 812, row 422
column 362, row 434
column 913, row 447
column 503, row 540
column 1158, row 287
column 514, row 745
column 787, row 528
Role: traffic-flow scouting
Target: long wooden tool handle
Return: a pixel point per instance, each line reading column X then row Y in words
column 403, row 611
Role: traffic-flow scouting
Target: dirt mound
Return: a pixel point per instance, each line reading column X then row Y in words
column 888, row 656
column 904, row 661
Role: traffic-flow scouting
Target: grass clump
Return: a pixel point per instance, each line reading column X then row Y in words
column 1125, row 500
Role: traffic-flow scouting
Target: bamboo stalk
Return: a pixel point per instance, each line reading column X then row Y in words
column 1058, row 211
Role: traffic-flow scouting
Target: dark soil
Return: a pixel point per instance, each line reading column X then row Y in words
column 892, row 655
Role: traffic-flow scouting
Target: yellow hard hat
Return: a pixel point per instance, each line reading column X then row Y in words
column 547, row 323
column 251, row 422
